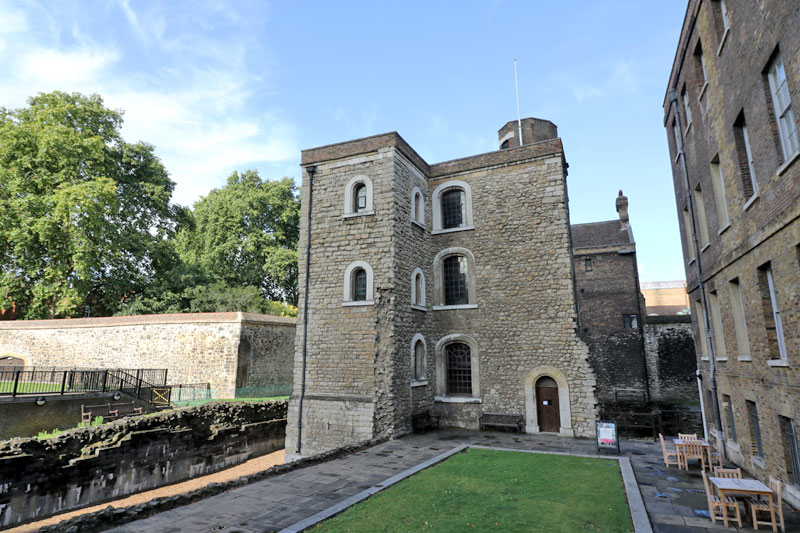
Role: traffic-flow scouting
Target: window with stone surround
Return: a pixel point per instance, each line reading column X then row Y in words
column 418, row 289
column 457, row 369
column 418, row 360
column 739, row 323
column 686, row 109
column 630, row 321
column 588, row 264
column 452, row 207
column 719, row 11
column 417, row 206
column 688, row 234
column 771, row 312
column 716, row 326
column 727, row 404
column 782, row 106
column 358, row 197
column 791, row 453
column 358, row 284
column 720, row 198
column 700, row 339
column 747, row 168
column 454, row 279
column 700, row 212
column 757, row 447
column 700, row 69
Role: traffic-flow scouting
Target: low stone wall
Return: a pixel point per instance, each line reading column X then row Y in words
column 87, row 466
column 239, row 354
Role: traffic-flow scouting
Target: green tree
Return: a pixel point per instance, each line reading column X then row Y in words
column 85, row 214
column 245, row 235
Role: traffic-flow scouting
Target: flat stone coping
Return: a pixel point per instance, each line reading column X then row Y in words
column 140, row 320
column 641, row 523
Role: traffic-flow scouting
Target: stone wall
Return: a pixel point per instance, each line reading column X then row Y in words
column 521, row 325
column 671, row 358
column 228, row 350
column 88, row 466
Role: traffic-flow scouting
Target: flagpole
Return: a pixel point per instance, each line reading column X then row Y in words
column 519, row 117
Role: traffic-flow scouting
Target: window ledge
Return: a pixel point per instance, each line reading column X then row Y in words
column 702, row 91
column 758, row 461
column 419, row 307
column 724, row 228
column 723, row 359
column 449, row 307
column 788, row 163
column 686, row 131
column 358, row 303
column 677, row 157
column 359, row 214
column 451, row 230
column 418, row 224
column 704, row 358
column 457, row 399
column 419, row 383
column 705, row 247
column 692, row 260
column 749, row 202
column 778, row 362
column 723, row 40
column 745, row 358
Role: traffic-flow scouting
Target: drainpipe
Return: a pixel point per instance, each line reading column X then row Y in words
column 702, row 408
column 673, row 102
column 311, row 171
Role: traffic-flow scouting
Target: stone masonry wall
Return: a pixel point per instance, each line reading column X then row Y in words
column 266, row 359
column 671, row 358
column 87, row 466
column 193, row 347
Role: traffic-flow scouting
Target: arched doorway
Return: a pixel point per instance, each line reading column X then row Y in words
column 556, row 389
column 547, row 409
column 9, row 361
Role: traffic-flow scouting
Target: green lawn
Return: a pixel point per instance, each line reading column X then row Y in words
column 27, row 387
column 487, row 490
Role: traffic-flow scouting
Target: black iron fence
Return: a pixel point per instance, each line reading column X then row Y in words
column 147, row 384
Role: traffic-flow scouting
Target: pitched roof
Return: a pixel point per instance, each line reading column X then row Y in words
column 595, row 234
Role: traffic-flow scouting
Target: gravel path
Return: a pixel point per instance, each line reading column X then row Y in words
column 245, row 469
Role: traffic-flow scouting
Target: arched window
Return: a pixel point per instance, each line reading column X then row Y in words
column 418, row 289
column 459, row 369
column 455, row 275
column 418, row 361
column 457, row 377
column 358, row 197
column 417, row 207
column 358, row 284
column 454, row 279
column 360, row 203
column 452, row 207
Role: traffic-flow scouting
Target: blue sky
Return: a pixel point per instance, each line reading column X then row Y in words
column 218, row 87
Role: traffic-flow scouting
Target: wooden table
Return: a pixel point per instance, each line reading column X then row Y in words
column 706, row 447
column 740, row 487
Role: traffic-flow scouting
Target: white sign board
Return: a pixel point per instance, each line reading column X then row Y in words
column 607, row 435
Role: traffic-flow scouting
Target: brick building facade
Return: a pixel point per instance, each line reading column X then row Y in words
column 445, row 288
column 731, row 120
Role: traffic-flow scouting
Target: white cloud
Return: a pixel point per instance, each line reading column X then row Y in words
column 190, row 97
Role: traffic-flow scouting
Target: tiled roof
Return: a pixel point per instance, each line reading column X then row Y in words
column 594, row 234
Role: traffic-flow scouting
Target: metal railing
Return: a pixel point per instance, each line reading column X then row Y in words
column 147, row 384
column 189, row 392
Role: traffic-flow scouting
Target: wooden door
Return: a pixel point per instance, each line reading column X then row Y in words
column 547, row 412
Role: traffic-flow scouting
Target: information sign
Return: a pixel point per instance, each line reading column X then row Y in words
column 607, row 435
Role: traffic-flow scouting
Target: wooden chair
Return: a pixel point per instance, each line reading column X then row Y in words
column 715, row 505
column 692, row 449
column 687, row 436
column 670, row 455
column 756, row 505
column 728, row 473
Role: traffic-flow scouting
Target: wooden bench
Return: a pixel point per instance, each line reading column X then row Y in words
column 497, row 420
column 421, row 422
column 127, row 409
column 90, row 412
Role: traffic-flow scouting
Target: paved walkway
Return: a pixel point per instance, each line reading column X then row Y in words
column 674, row 500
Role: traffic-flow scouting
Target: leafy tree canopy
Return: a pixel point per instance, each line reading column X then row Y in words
column 245, row 235
column 86, row 214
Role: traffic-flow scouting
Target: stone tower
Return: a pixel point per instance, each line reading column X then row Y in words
column 444, row 288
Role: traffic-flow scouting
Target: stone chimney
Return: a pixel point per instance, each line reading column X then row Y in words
column 622, row 208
